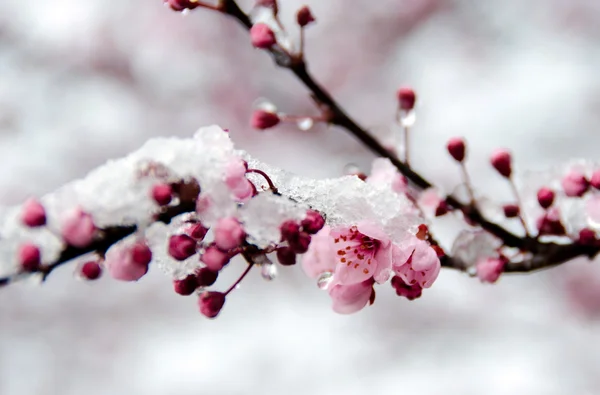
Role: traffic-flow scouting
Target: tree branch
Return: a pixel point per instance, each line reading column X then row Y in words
column 544, row 254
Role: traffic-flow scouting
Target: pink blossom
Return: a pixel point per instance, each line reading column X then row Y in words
column 545, row 197
column 228, row 233
column 550, row 223
column 410, row 292
column 592, row 209
column 431, row 203
column 262, row 36
column 33, row 213
column 490, row 269
column 575, row 184
column 121, row 264
column 214, row 258
column 348, row 299
column 206, row 277
column 162, row 194
column 186, row 286
column 181, row 247
column 304, row 16
column 78, row 228
column 286, row 256
column 313, row 222
column 416, row 262
column 354, row 254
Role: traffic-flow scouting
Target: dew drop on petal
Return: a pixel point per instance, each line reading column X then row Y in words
column 268, row 271
column 408, row 120
column 324, row 280
column 305, row 124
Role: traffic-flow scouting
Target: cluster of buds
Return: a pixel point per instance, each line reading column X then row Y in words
column 297, row 235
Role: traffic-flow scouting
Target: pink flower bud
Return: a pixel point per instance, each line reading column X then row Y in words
column 211, row 303
column 502, row 162
column 186, row 286
column 78, row 228
column 289, row 230
column 575, row 184
column 91, row 270
column 442, row 209
column 162, row 194
column 550, row 223
column 214, row 258
column 301, row 243
column 587, row 237
column 511, row 210
column 490, row 269
column 228, row 233
column 545, row 197
column 206, row 277
column 262, row 36
column 262, row 119
column 180, row 5
column 128, row 262
column 286, row 256
column 181, row 247
column 33, row 213
column 406, row 98
column 410, row 292
column 29, row 257
column 595, row 180
column 196, row 231
column 457, row 149
column 313, row 222
column 304, row 16
column 141, row 253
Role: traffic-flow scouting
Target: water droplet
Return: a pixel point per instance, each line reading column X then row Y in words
column 305, row 124
column 268, row 271
column 351, row 169
column 408, row 120
column 265, row 104
column 324, row 280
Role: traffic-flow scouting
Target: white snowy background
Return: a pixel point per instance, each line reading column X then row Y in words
column 85, row 81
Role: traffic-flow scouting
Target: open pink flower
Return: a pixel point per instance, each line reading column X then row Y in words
column 416, row 262
column 354, row 254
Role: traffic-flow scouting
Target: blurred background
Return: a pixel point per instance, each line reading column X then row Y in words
column 85, row 81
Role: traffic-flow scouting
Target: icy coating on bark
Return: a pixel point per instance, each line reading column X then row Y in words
column 117, row 193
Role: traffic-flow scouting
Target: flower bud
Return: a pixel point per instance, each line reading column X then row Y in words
column 181, row 247
column 211, row 303
column 442, row 208
column 78, row 228
column 162, row 194
column 457, row 149
column 33, row 213
column 196, row 231
column 185, row 286
column 304, row 16
column 406, row 98
column 29, row 257
column 289, row 230
column 313, row 222
column 286, row 256
column 595, row 180
column 545, row 197
column 587, row 237
column 511, row 210
column 410, row 292
column 214, row 258
column 206, row 277
column 180, row 5
column 300, row 244
column 490, row 269
column 141, row 253
column 575, row 184
column 502, row 162
column 91, row 270
column 262, row 36
column 262, row 119
column 228, row 233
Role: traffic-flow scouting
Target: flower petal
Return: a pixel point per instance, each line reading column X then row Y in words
column 320, row 256
column 348, row 299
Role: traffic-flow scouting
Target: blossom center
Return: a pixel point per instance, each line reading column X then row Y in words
column 356, row 250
